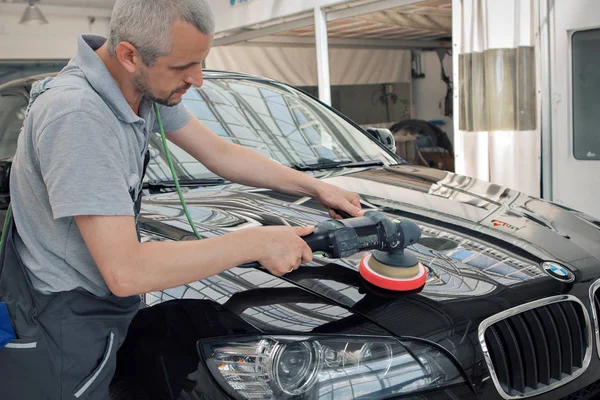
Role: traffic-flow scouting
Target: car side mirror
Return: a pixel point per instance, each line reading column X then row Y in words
column 5, row 167
column 385, row 137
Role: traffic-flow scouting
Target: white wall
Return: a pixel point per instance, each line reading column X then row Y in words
column 56, row 40
column 298, row 65
column 429, row 92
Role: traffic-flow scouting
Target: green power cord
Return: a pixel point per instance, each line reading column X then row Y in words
column 5, row 225
column 173, row 173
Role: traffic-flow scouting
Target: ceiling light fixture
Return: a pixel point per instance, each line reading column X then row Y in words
column 33, row 15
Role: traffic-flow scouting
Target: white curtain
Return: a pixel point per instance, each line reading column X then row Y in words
column 298, row 65
column 498, row 136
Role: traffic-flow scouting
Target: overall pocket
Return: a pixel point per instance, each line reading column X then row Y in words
column 88, row 359
column 88, row 381
column 22, row 344
column 23, row 359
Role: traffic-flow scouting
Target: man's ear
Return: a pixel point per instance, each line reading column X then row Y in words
column 128, row 56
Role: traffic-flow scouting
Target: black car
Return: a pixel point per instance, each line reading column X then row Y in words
column 509, row 310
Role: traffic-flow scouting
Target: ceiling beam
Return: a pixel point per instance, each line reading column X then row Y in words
column 309, row 21
column 444, row 23
column 369, row 8
column 351, row 43
column 406, row 20
column 270, row 30
column 18, row 8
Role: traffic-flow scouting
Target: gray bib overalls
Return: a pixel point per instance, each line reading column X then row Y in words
column 66, row 342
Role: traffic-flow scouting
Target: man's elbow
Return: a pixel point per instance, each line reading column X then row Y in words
column 120, row 281
column 121, row 290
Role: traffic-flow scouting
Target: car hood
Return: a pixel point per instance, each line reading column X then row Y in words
column 483, row 247
column 466, row 211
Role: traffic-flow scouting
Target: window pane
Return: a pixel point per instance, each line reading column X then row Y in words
column 586, row 94
column 12, row 114
column 271, row 119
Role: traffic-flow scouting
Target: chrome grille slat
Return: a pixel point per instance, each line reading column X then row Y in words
column 536, row 347
column 576, row 334
column 564, row 338
column 515, row 361
column 595, row 300
column 528, row 349
column 541, row 347
column 553, row 339
column 497, row 351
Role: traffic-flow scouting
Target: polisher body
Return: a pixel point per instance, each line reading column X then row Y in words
column 391, row 266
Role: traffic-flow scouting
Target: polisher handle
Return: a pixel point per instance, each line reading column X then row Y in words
column 373, row 231
column 343, row 238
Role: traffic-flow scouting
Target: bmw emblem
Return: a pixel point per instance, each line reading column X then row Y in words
column 558, row 272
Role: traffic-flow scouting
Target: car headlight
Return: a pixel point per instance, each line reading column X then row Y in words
column 280, row 367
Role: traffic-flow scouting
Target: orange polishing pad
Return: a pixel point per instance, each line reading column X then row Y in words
column 388, row 283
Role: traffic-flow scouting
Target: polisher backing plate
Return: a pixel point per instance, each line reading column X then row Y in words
column 393, row 272
column 410, row 279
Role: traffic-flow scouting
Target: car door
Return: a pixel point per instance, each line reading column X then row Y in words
column 575, row 82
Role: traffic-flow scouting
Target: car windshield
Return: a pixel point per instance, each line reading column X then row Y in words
column 273, row 119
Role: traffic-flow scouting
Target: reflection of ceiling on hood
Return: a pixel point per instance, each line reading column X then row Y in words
column 220, row 288
column 468, row 190
column 473, row 268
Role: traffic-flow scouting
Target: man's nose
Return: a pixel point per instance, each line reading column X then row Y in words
column 194, row 76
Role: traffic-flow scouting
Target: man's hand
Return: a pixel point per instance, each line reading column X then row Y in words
column 282, row 247
column 335, row 198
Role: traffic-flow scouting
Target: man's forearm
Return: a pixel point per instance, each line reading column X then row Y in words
column 189, row 260
column 253, row 169
column 130, row 267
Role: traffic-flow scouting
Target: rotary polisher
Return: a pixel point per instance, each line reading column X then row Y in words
column 388, row 265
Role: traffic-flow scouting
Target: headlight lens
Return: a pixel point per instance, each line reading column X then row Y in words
column 280, row 367
column 295, row 366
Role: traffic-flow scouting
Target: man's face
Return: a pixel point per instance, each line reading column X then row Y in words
column 167, row 80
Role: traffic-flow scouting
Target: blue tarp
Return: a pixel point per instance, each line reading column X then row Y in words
column 7, row 332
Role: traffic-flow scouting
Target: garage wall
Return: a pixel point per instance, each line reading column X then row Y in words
column 366, row 104
column 57, row 40
column 429, row 92
column 298, row 65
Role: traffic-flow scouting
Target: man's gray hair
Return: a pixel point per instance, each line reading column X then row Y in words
column 147, row 24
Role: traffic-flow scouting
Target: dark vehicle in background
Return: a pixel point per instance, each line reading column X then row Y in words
column 509, row 310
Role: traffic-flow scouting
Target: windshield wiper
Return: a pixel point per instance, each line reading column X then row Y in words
column 337, row 164
column 155, row 184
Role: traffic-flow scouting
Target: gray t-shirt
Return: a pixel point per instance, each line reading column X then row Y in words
column 80, row 153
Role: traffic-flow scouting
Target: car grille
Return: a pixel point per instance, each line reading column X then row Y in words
column 595, row 300
column 537, row 347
